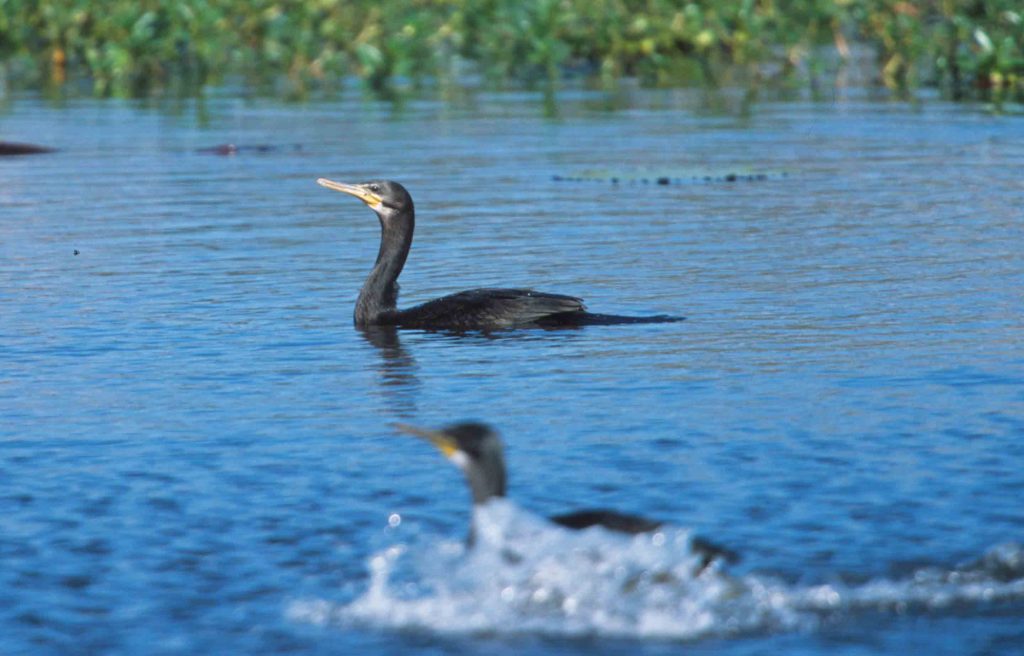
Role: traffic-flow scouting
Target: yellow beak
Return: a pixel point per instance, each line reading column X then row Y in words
column 359, row 192
column 439, row 439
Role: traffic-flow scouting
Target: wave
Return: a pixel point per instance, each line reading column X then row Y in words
column 526, row 576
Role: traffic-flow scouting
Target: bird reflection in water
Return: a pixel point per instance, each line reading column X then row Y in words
column 397, row 372
column 398, row 383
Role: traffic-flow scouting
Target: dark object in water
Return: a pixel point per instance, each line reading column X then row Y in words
column 666, row 180
column 475, row 309
column 230, row 149
column 76, row 251
column 476, row 449
column 8, row 148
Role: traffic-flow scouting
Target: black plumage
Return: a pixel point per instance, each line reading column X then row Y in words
column 476, row 309
column 477, row 450
column 609, row 519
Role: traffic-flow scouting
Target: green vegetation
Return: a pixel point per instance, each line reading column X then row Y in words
column 134, row 47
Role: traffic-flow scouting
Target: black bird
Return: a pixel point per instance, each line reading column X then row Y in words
column 477, row 450
column 475, row 309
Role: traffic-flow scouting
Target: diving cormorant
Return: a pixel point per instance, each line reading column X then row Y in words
column 475, row 309
column 476, row 449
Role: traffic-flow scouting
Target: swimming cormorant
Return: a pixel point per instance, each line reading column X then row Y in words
column 475, row 309
column 476, row 449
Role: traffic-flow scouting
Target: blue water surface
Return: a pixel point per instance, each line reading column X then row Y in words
column 195, row 445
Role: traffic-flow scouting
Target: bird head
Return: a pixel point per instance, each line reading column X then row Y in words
column 474, row 448
column 385, row 197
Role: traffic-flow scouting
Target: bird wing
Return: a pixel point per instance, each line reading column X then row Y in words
column 489, row 307
column 708, row 551
column 609, row 519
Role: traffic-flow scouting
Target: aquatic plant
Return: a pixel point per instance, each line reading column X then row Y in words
column 134, row 47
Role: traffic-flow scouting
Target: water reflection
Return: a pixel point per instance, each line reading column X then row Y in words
column 397, row 381
column 397, row 371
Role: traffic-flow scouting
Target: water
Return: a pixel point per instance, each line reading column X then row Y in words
column 195, row 450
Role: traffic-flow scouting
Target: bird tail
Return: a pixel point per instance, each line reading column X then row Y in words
column 592, row 319
column 710, row 552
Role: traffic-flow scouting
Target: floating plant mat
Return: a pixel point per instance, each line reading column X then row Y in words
column 671, row 176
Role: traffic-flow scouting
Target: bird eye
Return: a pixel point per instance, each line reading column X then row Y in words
column 375, row 188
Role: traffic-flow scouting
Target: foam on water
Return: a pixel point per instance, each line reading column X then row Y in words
column 524, row 575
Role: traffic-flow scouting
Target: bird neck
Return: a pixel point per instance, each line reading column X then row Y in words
column 378, row 298
column 486, row 482
column 483, row 496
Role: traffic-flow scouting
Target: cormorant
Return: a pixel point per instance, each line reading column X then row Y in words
column 475, row 309
column 476, row 449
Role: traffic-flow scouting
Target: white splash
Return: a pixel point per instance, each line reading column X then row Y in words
column 524, row 575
